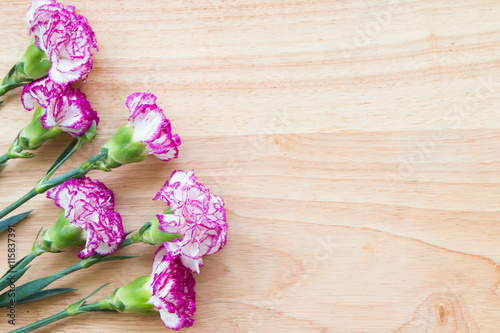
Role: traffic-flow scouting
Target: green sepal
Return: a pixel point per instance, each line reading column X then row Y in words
column 32, row 136
column 61, row 235
column 133, row 298
column 151, row 234
column 122, row 149
column 33, row 65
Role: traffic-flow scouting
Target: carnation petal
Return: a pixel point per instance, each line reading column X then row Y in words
column 172, row 289
column 65, row 107
column 65, row 37
column 89, row 205
column 151, row 127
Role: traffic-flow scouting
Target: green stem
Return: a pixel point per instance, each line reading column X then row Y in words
column 5, row 88
column 18, row 203
column 43, row 185
column 43, row 322
column 8, row 278
column 25, row 261
column 70, row 149
column 32, row 287
column 4, row 159
column 94, row 307
column 28, row 289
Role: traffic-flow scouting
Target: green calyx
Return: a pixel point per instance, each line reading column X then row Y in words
column 122, row 149
column 60, row 236
column 32, row 136
column 132, row 298
column 33, row 65
column 152, row 235
column 89, row 135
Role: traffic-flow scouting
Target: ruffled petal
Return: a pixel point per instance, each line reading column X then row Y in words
column 198, row 214
column 172, row 287
column 65, row 107
column 151, row 127
column 65, row 37
column 89, row 205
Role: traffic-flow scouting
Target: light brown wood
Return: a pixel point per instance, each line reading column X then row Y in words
column 356, row 144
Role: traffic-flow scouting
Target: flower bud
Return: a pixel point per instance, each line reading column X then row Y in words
column 61, row 235
column 152, row 235
column 122, row 149
column 32, row 136
column 133, row 298
column 34, row 64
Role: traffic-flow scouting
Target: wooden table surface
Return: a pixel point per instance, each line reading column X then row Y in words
column 356, row 145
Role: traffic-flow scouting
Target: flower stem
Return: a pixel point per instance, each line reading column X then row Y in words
column 45, row 184
column 43, row 322
column 25, row 261
column 18, row 203
column 32, row 287
column 4, row 159
column 8, row 278
column 70, row 149
column 98, row 306
column 28, row 289
column 5, row 88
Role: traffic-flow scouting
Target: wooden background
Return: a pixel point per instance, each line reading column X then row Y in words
column 356, row 144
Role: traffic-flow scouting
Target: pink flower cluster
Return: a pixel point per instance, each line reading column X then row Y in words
column 199, row 215
column 65, row 37
column 65, row 107
column 89, row 205
column 151, row 127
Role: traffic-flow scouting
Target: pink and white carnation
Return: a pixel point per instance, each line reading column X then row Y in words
column 65, row 37
column 89, row 205
column 198, row 215
column 151, row 127
column 172, row 290
column 65, row 107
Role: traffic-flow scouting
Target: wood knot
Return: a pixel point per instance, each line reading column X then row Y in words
column 441, row 312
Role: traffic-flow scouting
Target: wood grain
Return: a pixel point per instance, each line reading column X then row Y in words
column 354, row 142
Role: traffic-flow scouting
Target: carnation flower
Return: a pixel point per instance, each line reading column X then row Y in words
column 169, row 290
column 65, row 107
column 89, row 205
column 173, row 292
column 152, row 127
column 65, row 37
column 198, row 214
column 148, row 131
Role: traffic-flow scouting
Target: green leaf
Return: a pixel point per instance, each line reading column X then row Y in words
column 74, row 309
column 90, row 261
column 9, row 222
column 44, row 294
column 63, row 155
column 5, row 281
column 27, row 290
